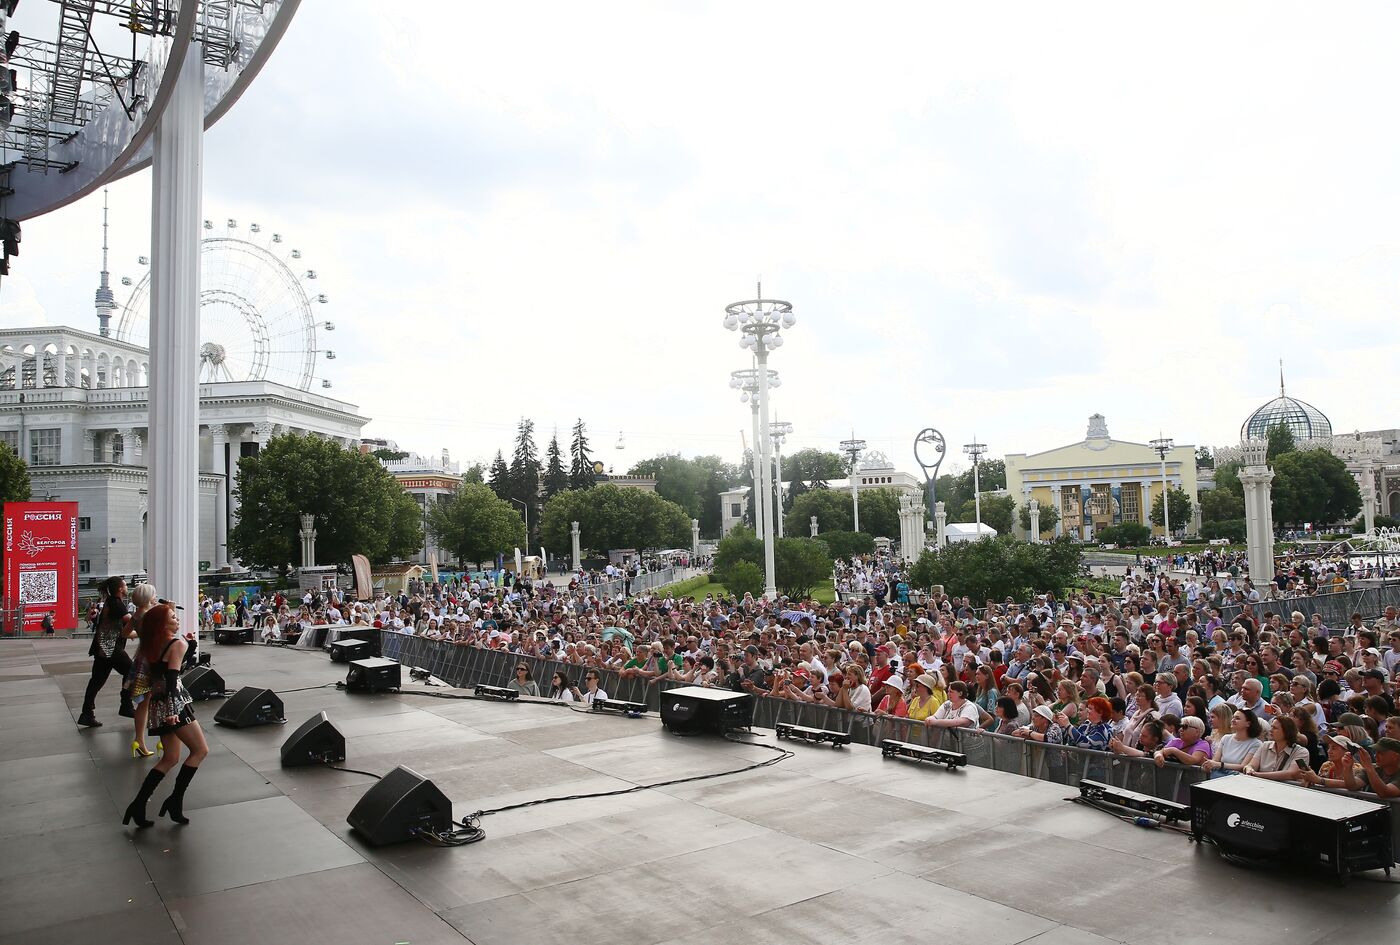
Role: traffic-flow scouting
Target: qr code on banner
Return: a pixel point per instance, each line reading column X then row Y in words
column 38, row 587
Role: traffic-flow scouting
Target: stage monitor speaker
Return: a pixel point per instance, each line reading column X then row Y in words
column 374, row 675
column 250, row 706
column 345, row 651
column 370, row 635
column 316, row 742
column 233, row 635
column 693, row 709
column 398, row 806
column 202, row 683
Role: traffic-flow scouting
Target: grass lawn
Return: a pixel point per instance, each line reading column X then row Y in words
column 823, row 593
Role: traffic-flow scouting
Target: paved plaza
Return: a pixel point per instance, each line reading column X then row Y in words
column 826, row 847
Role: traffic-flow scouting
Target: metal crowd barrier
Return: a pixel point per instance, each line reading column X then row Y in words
column 1335, row 609
column 467, row 666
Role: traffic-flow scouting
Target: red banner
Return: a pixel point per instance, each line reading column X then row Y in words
column 41, row 562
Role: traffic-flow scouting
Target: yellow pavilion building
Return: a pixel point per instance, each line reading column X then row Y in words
column 1101, row 481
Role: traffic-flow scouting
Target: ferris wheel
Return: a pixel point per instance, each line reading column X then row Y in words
column 255, row 310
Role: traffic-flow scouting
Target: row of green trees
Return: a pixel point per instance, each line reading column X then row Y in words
column 1309, row 486
column 997, row 568
column 799, row 564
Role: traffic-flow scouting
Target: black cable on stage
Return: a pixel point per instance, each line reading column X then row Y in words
column 377, row 777
column 309, row 688
column 472, row 821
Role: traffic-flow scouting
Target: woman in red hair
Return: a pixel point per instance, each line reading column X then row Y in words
column 1098, row 730
column 171, row 715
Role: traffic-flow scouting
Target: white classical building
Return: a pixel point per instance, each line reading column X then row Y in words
column 878, row 472
column 74, row 405
column 429, row 479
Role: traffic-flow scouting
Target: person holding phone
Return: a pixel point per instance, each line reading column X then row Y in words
column 592, row 692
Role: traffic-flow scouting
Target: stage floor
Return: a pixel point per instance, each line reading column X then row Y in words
column 825, row 848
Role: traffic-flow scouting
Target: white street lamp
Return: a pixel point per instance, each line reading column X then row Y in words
column 853, row 448
column 1164, row 445
column 760, row 320
column 747, row 381
column 976, row 451
column 780, row 430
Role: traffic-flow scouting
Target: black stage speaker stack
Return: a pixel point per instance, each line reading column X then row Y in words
column 399, row 806
column 233, row 635
column 691, row 710
column 368, row 634
column 374, row 675
column 202, row 682
column 250, row 706
column 316, row 742
column 349, row 650
column 1257, row 819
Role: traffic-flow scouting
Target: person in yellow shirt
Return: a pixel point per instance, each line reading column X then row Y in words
column 928, row 695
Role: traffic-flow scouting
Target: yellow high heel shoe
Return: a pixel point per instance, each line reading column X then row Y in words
column 138, row 752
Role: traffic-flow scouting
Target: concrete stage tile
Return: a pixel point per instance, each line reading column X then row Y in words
column 40, row 686
column 110, row 881
column 657, row 755
column 54, row 852
column 223, row 777
column 351, row 905
column 1077, row 822
column 407, row 720
column 581, row 730
column 235, row 845
column 1068, row 935
column 895, row 909
column 129, row 926
column 80, row 801
column 525, row 819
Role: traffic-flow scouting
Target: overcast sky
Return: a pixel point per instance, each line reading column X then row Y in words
column 995, row 220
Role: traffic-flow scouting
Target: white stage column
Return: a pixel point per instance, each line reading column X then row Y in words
column 218, row 436
column 173, row 457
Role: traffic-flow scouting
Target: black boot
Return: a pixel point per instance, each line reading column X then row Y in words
column 86, row 718
column 127, row 710
column 136, row 810
column 174, row 804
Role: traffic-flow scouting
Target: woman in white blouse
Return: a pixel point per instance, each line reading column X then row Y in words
column 1278, row 757
column 1239, row 747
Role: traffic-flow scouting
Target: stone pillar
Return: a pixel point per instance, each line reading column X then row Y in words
column 1366, row 481
column 61, row 366
column 128, row 435
column 1257, row 479
column 1146, row 487
column 695, row 536
column 814, row 526
column 218, row 437
column 89, row 447
column 176, row 183
column 1034, row 508
column 263, row 432
column 1060, row 508
column 578, row 553
column 940, row 518
column 308, row 541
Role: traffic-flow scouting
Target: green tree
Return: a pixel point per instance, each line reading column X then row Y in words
column 693, row 484
column 1221, row 504
column 14, row 480
column 1049, row 518
column 800, row 564
column 1313, row 486
column 813, row 466
column 476, row 525
column 474, row 473
column 993, row 569
column 556, row 477
column 831, row 507
column 611, row 517
column 1204, row 458
column 1180, row 508
column 846, row 545
column 1231, row 530
column 580, row 463
column 997, row 511
column 1126, row 535
column 1227, row 477
column 499, row 476
column 879, row 512
column 359, row 507
column 744, row 578
column 739, row 545
column 525, row 473
column 1280, row 441
column 386, row 455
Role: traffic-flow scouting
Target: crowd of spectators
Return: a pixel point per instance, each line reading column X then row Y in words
column 1151, row 671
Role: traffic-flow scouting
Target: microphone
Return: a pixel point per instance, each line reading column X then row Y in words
column 171, row 603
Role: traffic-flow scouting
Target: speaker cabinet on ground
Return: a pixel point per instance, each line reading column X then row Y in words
column 202, row 682
column 374, row 675
column 345, row 651
column 399, row 805
column 233, row 635
column 316, row 742
column 250, row 706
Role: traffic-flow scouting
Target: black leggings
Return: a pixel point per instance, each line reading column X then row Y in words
column 102, row 667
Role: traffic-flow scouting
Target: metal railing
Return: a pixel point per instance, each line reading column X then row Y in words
column 1336, row 609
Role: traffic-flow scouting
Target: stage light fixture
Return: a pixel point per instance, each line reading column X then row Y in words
column 1169, row 811
column 911, row 752
column 620, row 706
column 496, row 692
column 816, row 736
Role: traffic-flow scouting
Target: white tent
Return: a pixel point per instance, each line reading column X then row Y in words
column 967, row 531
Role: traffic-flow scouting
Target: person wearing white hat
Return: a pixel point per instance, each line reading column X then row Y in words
column 1042, row 727
column 893, row 701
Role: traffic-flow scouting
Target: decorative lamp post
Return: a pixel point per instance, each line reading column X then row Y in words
column 747, row 381
column 929, row 450
column 976, row 451
column 780, row 430
column 1163, row 445
column 853, row 448
column 760, row 321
